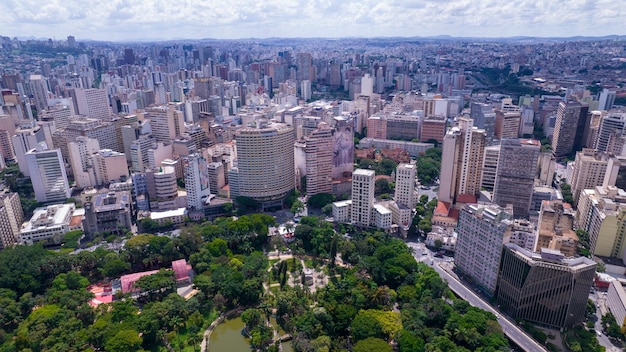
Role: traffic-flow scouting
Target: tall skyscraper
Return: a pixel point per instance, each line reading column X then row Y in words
column 26, row 138
column 265, row 163
column 196, row 181
column 92, row 102
column 515, row 175
column 81, row 161
column 484, row 118
column 612, row 126
column 569, row 128
column 47, row 172
column 167, row 122
column 405, row 185
column 11, row 218
column 363, row 184
column 319, row 160
column 461, row 161
column 606, row 99
column 544, row 288
column 593, row 169
column 482, row 230
column 490, row 168
column 343, row 147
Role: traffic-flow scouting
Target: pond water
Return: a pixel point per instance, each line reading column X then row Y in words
column 227, row 337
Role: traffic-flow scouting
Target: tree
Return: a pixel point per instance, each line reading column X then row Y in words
column 158, row 285
column 124, row 341
column 372, row 344
column 319, row 200
column 297, row 206
column 382, row 186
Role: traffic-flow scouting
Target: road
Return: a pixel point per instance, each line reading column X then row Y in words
column 510, row 328
column 599, row 298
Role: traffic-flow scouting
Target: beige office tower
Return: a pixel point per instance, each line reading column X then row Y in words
column 11, row 218
column 593, row 169
column 265, row 163
column 319, row 160
column 167, row 122
column 507, row 124
column 461, row 161
column 363, row 182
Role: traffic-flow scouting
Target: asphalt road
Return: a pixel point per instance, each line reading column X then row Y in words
column 599, row 298
column 510, row 328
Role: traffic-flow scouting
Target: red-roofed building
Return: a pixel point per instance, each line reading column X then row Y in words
column 129, row 280
column 181, row 270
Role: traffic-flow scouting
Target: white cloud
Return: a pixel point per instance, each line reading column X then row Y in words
column 127, row 20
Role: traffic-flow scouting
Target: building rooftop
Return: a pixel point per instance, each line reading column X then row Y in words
column 155, row 215
column 50, row 216
column 111, row 201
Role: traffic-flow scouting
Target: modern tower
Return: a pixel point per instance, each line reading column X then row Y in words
column 461, row 161
column 569, row 128
column 47, row 172
column 405, row 185
column 167, row 122
column 544, row 288
column 593, row 169
column 363, row 185
column 197, row 182
column 482, row 230
column 265, row 163
column 515, row 175
column 11, row 218
column 319, row 160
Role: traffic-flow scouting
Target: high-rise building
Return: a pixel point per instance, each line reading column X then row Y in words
column 343, row 147
column 11, row 218
column 593, row 169
column 39, row 88
column 81, row 151
column 490, row 167
column 47, row 172
column 319, row 160
column 26, row 138
column 606, row 99
column 507, row 124
column 162, row 188
column 544, row 288
column 405, row 185
column 484, row 118
column 110, row 166
column 602, row 213
column 515, row 175
column 265, row 163
column 461, row 160
column 569, row 128
column 363, row 185
column 197, row 181
column 612, row 126
column 92, row 102
column 167, row 122
column 482, row 230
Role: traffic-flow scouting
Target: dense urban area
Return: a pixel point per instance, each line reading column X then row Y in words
column 385, row 194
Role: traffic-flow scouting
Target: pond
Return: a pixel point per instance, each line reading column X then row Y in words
column 227, row 337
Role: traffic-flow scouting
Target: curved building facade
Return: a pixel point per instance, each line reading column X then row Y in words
column 265, row 162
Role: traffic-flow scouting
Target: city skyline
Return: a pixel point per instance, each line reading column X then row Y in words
column 191, row 19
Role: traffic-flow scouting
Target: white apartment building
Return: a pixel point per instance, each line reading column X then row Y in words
column 47, row 172
column 363, row 182
column 48, row 225
column 482, row 230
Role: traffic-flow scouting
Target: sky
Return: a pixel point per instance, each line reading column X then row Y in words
column 128, row 20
